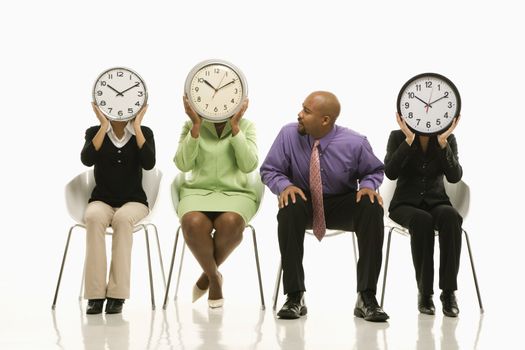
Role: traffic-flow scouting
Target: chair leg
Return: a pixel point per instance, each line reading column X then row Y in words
column 82, row 281
column 180, row 269
column 263, row 306
column 386, row 265
column 474, row 272
column 277, row 285
column 62, row 266
column 160, row 253
column 146, row 233
column 171, row 270
column 355, row 250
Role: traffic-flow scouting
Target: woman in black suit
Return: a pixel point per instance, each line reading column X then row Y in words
column 421, row 204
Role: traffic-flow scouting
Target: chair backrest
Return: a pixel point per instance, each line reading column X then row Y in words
column 254, row 181
column 78, row 191
column 459, row 194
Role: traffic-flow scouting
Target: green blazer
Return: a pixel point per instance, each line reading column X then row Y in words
column 217, row 164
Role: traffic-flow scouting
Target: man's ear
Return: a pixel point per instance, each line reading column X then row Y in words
column 327, row 120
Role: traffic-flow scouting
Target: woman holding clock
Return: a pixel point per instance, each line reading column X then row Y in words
column 219, row 156
column 419, row 162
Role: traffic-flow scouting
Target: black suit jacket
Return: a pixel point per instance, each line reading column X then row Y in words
column 420, row 175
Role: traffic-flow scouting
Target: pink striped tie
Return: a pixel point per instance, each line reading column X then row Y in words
column 316, row 190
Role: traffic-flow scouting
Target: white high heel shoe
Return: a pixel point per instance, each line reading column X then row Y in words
column 216, row 303
column 197, row 293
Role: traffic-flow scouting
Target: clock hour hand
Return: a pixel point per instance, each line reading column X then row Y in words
column 112, row 88
column 131, row 87
column 426, row 104
column 208, row 83
column 231, row 82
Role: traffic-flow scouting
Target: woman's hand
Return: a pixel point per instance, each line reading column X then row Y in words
column 234, row 121
column 194, row 117
column 442, row 138
column 410, row 136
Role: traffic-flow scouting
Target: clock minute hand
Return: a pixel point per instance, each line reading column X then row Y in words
column 112, row 88
column 431, row 103
column 131, row 87
column 231, row 82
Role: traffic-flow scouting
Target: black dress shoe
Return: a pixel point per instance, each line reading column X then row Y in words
column 94, row 306
column 425, row 305
column 450, row 304
column 114, row 306
column 294, row 307
column 367, row 307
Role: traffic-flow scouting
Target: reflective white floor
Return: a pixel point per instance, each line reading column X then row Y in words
column 329, row 325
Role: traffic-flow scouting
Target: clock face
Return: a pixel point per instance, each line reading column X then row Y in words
column 428, row 103
column 216, row 89
column 120, row 93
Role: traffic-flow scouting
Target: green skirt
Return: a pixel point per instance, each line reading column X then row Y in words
column 217, row 201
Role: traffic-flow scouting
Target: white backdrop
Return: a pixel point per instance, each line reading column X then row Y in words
column 362, row 51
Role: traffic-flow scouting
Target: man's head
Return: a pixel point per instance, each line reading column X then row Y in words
column 317, row 118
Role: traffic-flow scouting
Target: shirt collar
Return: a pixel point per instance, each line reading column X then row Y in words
column 129, row 128
column 325, row 140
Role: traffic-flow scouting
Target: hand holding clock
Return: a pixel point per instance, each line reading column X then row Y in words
column 442, row 138
column 410, row 136
column 234, row 121
column 194, row 117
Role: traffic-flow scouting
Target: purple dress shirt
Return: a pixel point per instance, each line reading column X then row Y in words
column 346, row 157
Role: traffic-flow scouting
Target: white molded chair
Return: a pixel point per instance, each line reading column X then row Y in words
column 254, row 181
column 78, row 191
column 459, row 194
column 329, row 233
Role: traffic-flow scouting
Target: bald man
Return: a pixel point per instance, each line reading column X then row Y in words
column 332, row 185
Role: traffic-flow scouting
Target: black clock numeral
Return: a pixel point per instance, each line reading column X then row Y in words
column 418, row 120
column 102, row 103
column 410, row 115
column 233, row 100
column 99, row 93
column 418, row 87
column 137, row 103
column 446, row 115
column 110, row 76
column 411, row 95
column 110, row 109
column 225, row 107
column 236, row 91
column 446, row 94
column 206, row 106
column 450, row 105
column 407, row 105
column 439, row 87
column 216, row 71
column 141, row 93
column 429, row 124
column 198, row 99
column 215, row 109
column 103, row 83
column 196, row 89
column 130, row 110
column 428, row 84
column 120, row 113
column 120, row 74
column 438, row 121
column 130, row 76
column 207, row 73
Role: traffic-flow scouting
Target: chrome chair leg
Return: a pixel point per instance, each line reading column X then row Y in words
column 277, row 285
column 171, row 269
column 180, row 268
column 160, row 254
column 474, row 272
column 386, row 264
column 355, row 250
column 146, row 233
column 62, row 266
column 82, row 281
column 263, row 306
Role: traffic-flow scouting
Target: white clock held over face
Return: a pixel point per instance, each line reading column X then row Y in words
column 428, row 103
column 120, row 93
column 216, row 89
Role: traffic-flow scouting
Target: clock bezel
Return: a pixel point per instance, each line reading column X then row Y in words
column 109, row 116
column 209, row 62
column 436, row 76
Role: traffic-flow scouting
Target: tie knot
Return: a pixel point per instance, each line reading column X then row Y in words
column 316, row 143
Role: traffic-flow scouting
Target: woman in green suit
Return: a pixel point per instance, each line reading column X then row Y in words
column 219, row 156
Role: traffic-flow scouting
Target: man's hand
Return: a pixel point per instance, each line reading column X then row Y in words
column 442, row 138
column 290, row 191
column 370, row 193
